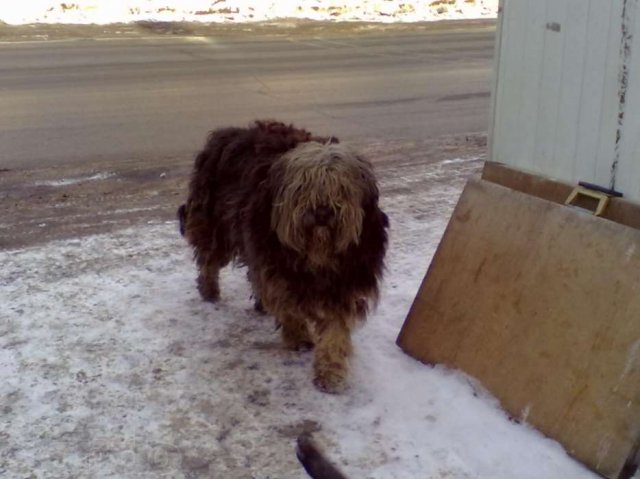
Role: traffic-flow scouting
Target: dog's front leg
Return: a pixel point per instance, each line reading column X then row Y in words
column 295, row 333
column 332, row 352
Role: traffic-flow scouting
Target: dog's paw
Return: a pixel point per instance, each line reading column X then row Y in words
column 331, row 381
column 297, row 345
column 210, row 297
column 208, row 293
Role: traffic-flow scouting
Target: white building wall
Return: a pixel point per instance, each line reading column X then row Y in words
column 557, row 93
column 628, row 169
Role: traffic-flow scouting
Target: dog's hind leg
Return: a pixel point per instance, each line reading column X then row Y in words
column 199, row 231
column 208, row 276
column 332, row 352
column 181, row 214
column 258, row 306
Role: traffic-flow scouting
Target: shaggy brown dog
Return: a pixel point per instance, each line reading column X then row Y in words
column 301, row 212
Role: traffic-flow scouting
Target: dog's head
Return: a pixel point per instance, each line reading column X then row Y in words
column 322, row 195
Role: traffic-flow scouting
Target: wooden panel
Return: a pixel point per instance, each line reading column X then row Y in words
column 619, row 210
column 541, row 303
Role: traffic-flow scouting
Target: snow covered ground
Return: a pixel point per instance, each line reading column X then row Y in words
column 115, row 11
column 113, row 367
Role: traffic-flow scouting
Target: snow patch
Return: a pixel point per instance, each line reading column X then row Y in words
column 72, row 181
column 109, row 11
column 112, row 366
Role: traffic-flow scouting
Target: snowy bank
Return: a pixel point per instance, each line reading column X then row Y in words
column 113, row 367
column 123, row 11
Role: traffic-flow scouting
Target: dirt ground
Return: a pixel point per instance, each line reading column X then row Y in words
column 115, row 367
column 44, row 204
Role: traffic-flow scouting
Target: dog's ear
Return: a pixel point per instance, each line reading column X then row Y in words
column 371, row 250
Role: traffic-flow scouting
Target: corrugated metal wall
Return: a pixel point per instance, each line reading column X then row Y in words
column 560, row 104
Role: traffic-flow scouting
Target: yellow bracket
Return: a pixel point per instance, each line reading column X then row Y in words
column 603, row 198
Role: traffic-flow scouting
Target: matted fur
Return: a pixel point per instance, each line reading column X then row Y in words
column 301, row 212
column 322, row 175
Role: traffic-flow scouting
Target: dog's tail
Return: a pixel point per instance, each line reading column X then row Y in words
column 182, row 217
column 313, row 460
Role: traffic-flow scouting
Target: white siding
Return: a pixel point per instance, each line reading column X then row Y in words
column 628, row 175
column 557, row 91
column 596, row 130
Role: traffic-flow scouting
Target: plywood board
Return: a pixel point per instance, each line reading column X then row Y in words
column 619, row 210
column 541, row 303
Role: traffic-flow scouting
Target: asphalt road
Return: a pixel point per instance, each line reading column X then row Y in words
column 99, row 125
column 153, row 96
